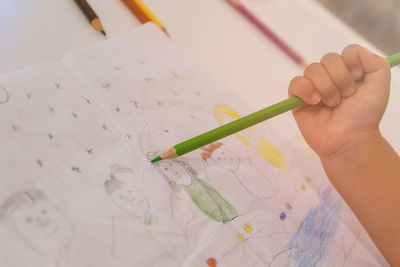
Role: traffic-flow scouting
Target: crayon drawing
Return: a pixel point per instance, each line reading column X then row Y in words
column 206, row 198
column 267, row 150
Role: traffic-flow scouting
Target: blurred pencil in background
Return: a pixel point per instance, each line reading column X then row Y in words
column 267, row 31
column 90, row 15
column 143, row 13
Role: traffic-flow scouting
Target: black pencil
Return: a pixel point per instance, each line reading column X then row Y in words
column 90, row 15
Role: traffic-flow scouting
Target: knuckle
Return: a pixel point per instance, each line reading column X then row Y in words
column 313, row 67
column 330, row 57
column 350, row 47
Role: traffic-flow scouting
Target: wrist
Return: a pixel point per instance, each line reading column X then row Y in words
column 353, row 156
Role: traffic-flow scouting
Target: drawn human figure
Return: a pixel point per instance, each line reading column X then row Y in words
column 4, row 96
column 236, row 176
column 47, row 231
column 206, row 198
column 124, row 195
column 41, row 226
column 251, row 139
column 155, row 236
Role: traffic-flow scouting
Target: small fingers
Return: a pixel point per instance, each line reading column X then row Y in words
column 323, row 83
column 339, row 74
column 303, row 88
column 352, row 61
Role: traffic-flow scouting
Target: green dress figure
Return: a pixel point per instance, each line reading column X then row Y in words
column 206, row 198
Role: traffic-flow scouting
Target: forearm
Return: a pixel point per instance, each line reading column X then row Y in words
column 367, row 175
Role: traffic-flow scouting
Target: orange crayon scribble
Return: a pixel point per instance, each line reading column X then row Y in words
column 212, row 262
column 207, row 150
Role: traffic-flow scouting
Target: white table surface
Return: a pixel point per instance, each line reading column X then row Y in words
column 214, row 35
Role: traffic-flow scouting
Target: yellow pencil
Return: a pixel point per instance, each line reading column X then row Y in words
column 143, row 13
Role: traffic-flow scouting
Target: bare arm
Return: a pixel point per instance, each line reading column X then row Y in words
column 347, row 96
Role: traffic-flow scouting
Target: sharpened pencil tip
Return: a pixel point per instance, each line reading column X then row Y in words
column 104, row 33
column 156, row 159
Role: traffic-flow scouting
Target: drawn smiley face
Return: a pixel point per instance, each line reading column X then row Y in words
column 172, row 169
column 131, row 200
column 43, row 227
column 225, row 159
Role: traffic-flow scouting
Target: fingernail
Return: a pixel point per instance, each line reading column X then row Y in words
column 315, row 98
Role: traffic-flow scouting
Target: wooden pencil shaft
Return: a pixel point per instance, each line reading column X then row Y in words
column 142, row 12
column 237, row 125
column 86, row 9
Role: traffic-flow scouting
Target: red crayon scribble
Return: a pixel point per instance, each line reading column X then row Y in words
column 212, row 262
column 208, row 149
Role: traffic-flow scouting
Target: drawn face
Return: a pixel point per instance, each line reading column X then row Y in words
column 3, row 95
column 225, row 159
column 175, row 172
column 131, row 200
column 43, row 227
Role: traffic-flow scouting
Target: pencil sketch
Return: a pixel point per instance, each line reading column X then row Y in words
column 126, row 196
column 166, row 238
column 4, row 96
column 206, row 198
column 256, row 186
column 43, row 227
column 264, row 148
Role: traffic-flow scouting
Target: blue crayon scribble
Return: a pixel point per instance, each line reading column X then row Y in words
column 282, row 216
column 312, row 240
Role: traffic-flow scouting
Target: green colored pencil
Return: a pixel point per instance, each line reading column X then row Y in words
column 242, row 123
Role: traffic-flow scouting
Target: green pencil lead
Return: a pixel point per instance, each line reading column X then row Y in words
column 156, row 159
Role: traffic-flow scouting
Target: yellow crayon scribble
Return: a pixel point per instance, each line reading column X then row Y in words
column 308, row 179
column 240, row 236
column 267, row 150
column 303, row 187
column 272, row 154
column 248, row 228
column 220, row 110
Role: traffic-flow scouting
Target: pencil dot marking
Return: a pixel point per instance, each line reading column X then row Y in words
column 57, row 85
column 29, row 95
column 104, row 127
column 88, row 101
column 51, row 109
column 15, row 128
column 89, row 151
column 106, row 85
column 74, row 115
column 76, row 169
column 39, row 162
column 50, row 136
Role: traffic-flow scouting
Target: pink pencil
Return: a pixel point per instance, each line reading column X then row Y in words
column 268, row 32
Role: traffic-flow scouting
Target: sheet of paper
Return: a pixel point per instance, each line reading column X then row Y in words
column 249, row 199
column 78, row 189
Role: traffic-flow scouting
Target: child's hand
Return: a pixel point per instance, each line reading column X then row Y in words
column 346, row 96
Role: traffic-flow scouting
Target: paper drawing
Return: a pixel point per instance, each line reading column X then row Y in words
column 4, row 97
column 206, row 198
column 267, row 150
